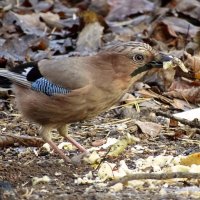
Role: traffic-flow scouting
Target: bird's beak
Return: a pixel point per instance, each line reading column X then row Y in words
column 160, row 58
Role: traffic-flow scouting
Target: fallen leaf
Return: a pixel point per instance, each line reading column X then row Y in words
column 180, row 104
column 189, row 8
column 122, row 9
column 97, row 143
column 181, row 25
column 163, row 32
column 193, row 62
column 185, row 89
column 30, row 23
column 89, row 39
column 150, row 128
column 159, row 77
column 173, row 123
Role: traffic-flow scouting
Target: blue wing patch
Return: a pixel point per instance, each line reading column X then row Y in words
column 47, row 87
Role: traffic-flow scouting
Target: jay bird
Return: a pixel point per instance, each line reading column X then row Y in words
column 62, row 90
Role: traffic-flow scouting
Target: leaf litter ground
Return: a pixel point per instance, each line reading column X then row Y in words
column 20, row 165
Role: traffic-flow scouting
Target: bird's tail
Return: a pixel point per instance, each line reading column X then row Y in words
column 4, row 82
column 8, row 77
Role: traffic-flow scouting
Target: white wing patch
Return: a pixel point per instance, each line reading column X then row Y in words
column 26, row 71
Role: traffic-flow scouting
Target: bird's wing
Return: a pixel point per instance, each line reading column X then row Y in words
column 67, row 72
column 52, row 76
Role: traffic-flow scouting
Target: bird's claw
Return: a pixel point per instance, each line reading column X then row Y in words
column 78, row 159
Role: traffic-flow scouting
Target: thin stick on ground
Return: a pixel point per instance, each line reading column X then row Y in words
column 8, row 140
column 103, row 159
column 194, row 123
column 157, row 176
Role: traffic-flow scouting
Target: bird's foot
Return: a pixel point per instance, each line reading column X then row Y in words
column 78, row 159
column 59, row 151
column 76, row 144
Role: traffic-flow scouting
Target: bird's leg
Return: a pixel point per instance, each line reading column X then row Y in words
column 63, row 130
column 46, row 135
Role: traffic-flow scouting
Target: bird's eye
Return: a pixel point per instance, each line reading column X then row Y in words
column 138, row 57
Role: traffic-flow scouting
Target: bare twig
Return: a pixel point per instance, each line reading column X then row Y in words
column 10, row 140
column 103, row 159
column 194, row 123
column 157, row 176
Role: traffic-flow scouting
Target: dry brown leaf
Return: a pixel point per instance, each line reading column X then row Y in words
column 181, row 26
column 163, row 32
column 190, row 8
column 51, row 20
column 191, row 95
column 167, row 30
column 150, row 128
column 30, row 23
column 162, row 78
column 180, row 104
column 186, row 90
column 121, row 9
column 183, row 84
column 173, row 123
column 193, row 62
column 89, row 39
column 98, row 143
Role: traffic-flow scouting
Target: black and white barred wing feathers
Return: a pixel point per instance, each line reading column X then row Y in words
column 15, row 78
column 40, row 85
column 45, row 86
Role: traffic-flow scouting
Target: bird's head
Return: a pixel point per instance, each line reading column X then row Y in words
column 140, row 55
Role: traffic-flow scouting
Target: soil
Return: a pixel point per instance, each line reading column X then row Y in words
column 19, row 165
